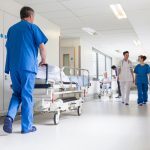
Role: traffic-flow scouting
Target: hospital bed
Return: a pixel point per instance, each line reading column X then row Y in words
column 64, row 94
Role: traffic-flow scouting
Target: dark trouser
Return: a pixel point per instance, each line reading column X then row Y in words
column 142, row 92
column 23, row 85
column 119, row 90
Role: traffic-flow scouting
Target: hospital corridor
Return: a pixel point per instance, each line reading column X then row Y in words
column 75, row 74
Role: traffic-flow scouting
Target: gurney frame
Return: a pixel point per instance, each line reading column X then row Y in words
column 53, row 100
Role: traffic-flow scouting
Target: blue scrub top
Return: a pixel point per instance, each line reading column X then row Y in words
column 23, row 40
column 142, row 72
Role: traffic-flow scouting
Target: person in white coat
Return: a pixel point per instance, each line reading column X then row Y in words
column 126, row 77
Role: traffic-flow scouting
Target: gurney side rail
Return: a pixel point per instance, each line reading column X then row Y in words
column 78, row 72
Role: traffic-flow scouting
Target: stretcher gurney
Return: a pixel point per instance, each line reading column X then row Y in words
column 55, row 97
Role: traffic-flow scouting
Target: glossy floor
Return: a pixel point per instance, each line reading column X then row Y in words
column 104, row 125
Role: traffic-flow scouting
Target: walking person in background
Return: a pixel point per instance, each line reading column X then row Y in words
column 141, row 80
column 118, row 83
column 126, row 77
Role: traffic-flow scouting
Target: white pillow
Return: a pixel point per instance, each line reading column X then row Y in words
column 52, row 68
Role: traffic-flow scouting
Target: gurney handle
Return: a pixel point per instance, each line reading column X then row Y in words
column 46, row 79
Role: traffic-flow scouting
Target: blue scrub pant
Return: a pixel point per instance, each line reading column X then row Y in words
column 142, row 92
column 22, row 85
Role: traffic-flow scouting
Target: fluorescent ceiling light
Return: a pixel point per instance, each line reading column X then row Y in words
column 118, row 11
column 89, row 30
column 137, row 42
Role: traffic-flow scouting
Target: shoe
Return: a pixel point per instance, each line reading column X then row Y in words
column 31, row 130
column 117, row 97
column 126, row 104
column 122, row 102
column 140, row 104
column 8, row 124
column 144, row 103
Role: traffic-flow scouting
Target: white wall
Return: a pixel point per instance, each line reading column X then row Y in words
column 51, row 30
column 1, row 62
column 86, row 51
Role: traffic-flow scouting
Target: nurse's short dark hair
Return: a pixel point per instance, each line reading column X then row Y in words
column 113, row 67
column 143, row 57
column 125, row 52
column 26, row 12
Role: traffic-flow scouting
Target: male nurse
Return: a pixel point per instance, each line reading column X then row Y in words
column 126, row 77
column 23, row 41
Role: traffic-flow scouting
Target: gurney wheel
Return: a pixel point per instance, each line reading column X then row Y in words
column 99, row 96
column 110, row 96
column 56, row 118
column 79, row 110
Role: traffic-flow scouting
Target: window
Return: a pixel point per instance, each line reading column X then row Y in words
column 92, row 65
column 101, row 64
column 108, row 65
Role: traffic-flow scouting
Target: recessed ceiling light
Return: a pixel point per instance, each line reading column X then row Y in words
column 89, row 31
column 117, row 50
column 118, row 11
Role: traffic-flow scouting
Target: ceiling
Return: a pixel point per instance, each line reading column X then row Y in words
column 113, row 34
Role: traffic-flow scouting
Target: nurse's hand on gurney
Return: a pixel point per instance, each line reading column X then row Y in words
column 43, row 62
column 43, row 54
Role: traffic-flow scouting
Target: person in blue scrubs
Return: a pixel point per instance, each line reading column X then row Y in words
column 142, row 70
column 23, row 41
